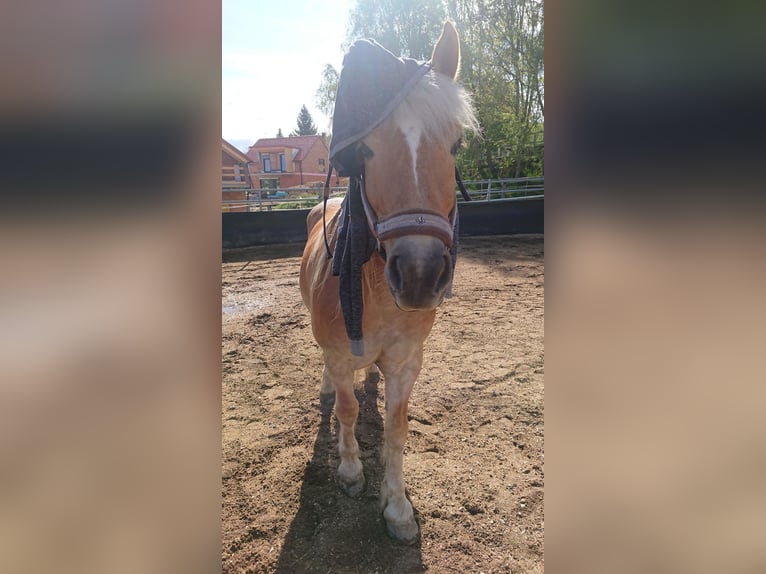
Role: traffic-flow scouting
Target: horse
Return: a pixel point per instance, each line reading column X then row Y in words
column 409, row 169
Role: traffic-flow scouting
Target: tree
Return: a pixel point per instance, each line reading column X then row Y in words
column 279, row 133
column 325, row 94
column 502, row 67
column 407, row 28
column 306, row 126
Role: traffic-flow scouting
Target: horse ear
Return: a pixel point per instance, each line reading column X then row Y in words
column 446, row 56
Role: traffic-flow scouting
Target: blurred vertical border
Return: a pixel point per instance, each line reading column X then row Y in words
column 655, row 308
column 110, row 286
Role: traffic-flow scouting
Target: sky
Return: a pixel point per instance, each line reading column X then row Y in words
column 273, row 56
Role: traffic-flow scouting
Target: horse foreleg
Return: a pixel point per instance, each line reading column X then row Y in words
column 350, row 474
column 397, row 510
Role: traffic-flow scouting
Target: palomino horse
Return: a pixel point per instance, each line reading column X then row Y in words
column 409, row 168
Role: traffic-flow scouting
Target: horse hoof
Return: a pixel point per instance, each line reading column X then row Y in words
column 353, row 487
column 403, row 532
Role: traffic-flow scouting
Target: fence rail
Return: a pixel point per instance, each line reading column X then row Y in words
column 306, row 197
column 492, row 189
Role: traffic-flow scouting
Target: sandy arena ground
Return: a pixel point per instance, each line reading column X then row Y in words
column 474, row 458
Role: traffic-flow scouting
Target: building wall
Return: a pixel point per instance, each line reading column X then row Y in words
column 234, row 195
column 229, row 161
column 312, row 171
column 274, row 153
column 309, row 165
column 285, row 179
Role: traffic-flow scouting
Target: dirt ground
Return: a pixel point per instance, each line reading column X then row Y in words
column 474, row 458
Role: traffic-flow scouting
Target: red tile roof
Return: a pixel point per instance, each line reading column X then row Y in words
column 302, row 143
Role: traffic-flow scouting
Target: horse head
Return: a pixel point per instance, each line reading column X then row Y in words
column 409, row 180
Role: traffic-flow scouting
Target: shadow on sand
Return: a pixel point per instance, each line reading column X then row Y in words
column 510, row 255
column 332, row 532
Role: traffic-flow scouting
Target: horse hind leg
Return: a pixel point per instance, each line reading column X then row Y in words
column 372, row 373
column 350, row 472
column 367, row 375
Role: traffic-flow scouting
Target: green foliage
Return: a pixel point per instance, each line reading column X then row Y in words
column 306, row 125
column 502, row 67
column 305, row 204
column 287, row 205
column 325, row 95
column 405, row 27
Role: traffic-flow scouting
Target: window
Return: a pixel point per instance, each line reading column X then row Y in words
column 266, row 163
column 267, row 185
column 321, row 165
column 282, row 164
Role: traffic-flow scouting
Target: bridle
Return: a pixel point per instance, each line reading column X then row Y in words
column 410, row 222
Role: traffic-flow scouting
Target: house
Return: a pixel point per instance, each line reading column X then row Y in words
column 236, row 175
column 289, row 162
column 236, row 167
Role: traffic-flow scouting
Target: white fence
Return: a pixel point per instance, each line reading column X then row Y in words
column 307, row 197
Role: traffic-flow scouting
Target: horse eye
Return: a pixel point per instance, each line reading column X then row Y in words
column 456, row 146
column 364, row 151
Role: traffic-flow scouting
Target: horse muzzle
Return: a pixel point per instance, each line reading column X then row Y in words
column 418, row 271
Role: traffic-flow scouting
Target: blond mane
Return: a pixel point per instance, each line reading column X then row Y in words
column 440, row 107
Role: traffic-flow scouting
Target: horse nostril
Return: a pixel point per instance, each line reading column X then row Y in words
column 445, row 275
column 394, row 273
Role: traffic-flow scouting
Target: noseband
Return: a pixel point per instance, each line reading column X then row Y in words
column 411, row 222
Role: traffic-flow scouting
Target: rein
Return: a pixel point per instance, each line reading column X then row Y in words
column 400, row 224
column 326, row 196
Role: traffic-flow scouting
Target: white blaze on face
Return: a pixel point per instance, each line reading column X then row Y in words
column 412, row 132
